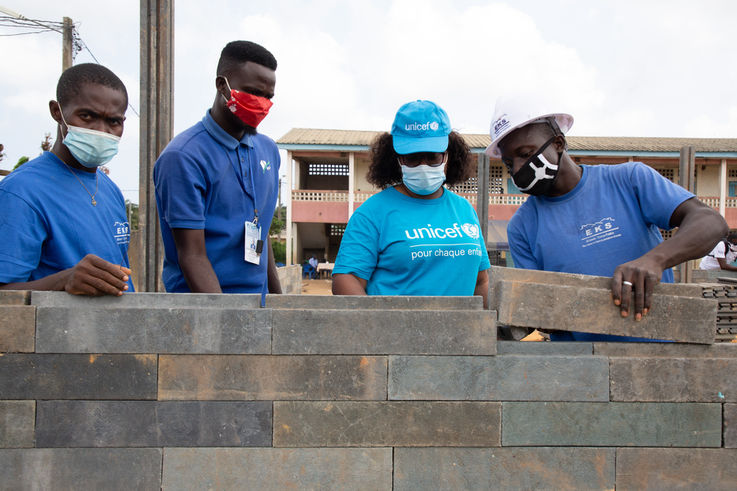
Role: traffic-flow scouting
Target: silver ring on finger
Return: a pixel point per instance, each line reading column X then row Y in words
column 625, row 282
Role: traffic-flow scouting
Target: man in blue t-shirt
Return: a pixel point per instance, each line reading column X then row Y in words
column 217, row 184
column 64, row 225
column 600, row 220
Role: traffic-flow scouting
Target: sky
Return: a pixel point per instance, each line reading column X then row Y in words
column 621, row 68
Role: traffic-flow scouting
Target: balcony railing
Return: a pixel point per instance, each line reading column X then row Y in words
column 494, row 198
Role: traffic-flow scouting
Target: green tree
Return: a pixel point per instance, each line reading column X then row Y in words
column 21, row 161
column 131, row 210
column 280, row 252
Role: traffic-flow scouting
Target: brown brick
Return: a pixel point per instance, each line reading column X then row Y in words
column 17, row 423
column 503, row 468
column 673, row 379
column 378, row 424
column 256, row 377
column 15, row 297
column 17, row 328
column 570, row 308
column 676, row 468
column 277, row 468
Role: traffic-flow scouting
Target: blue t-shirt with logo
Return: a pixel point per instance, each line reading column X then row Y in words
column 611, row 217
column 408, row 246
column 49, row 224
column 207, row 180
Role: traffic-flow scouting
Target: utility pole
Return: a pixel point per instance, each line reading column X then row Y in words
column 67, row 44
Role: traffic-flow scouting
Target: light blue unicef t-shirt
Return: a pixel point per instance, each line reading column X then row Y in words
column 408, row 246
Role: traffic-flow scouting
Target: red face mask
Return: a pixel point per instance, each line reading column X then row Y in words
column 251, row 109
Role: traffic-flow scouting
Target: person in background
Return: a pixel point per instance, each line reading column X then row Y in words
column 415, row 237
column 217, row 184
column 599, row 220
column 64, row 225
column 723, row 254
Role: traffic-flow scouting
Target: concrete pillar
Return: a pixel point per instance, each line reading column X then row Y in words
column 351, row 182
column 723, row 188
column 288, row 204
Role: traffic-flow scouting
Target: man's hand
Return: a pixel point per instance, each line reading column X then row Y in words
column 639, row 277
column 95, row 276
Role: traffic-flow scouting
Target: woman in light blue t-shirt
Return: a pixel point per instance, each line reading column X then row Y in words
column 415, row 237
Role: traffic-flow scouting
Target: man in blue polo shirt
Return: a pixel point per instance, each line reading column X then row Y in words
column 217, row 184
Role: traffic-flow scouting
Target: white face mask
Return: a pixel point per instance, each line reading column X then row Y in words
column 423, row 179
column 91, row 148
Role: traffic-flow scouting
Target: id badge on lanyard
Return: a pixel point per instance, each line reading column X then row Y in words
column 254, row 245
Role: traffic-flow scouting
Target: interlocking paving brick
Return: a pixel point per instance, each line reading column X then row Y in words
column 676, row 468
column 81, row 468
column 570, row 308
column 508, row 468
column 146, row 330
column 264, row 377
column 543, row 348
column 52, row 376
column 16, row 423
column 152, row 424
column 611, row 424
column 667, row 350
column 730, row 425
column 277, row 468
column 498, row 274
column 371, row 424
column 499, row 378
column 384, row 332
column 17, row 328
column 148, row 300
column 674, row 379
column 373, row 302
column 15, row 297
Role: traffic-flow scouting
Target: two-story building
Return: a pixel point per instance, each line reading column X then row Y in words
column 326, row 174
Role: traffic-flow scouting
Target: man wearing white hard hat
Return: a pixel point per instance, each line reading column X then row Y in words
column 600, row 220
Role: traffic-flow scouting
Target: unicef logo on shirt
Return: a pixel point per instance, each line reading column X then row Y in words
column 471, row 229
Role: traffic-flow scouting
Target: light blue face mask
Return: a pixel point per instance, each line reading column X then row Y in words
column 91, row 148
column 423, row 179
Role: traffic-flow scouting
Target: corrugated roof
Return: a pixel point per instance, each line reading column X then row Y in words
column 313, row 136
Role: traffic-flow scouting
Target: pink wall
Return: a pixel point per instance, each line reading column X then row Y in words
column 320, row 211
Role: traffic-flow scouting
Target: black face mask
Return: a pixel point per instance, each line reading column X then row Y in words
column 537, row 175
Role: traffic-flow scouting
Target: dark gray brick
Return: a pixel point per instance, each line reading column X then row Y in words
column 239, row 377
column 570, row 308
column 81, row 468
column 674, row 379
column 676, row 468
column 372, row 424
column 730, row 425
column 372, row 302
column 141, row 330
column 16, row 423
column 17, row 328
column 148, row 300
column 667, row 350
column 384, row 332
column 499, row 378
column 507, row 468
column 611, row 424
column 152, row 424
column 15, row 297
column 277, row 468
column 543, row 348
column 34, row 376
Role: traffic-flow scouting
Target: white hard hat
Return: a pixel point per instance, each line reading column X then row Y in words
column 515, row 112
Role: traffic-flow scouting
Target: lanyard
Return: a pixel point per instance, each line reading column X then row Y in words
column 238, row 168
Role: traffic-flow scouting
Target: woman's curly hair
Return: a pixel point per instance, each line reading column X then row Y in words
column 384, row 170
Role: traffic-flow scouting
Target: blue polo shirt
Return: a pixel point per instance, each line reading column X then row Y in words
column 207, row 180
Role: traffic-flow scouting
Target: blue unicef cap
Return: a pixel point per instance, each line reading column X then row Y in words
column 420, row 126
